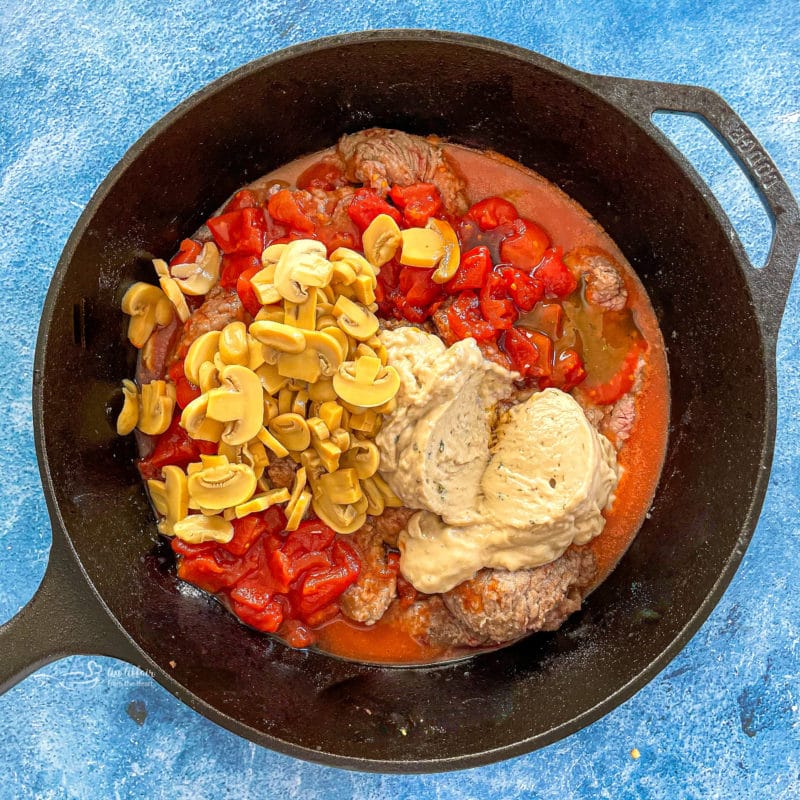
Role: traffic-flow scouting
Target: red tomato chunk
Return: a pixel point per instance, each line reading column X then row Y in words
column 272, row 580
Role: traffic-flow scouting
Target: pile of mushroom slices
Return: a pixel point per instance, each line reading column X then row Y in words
column 306, row 379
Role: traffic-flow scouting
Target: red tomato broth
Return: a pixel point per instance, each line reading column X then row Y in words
column 553, row 220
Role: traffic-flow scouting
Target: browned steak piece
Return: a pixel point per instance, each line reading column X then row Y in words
column 605, row 286
column 380, row 158
column 389, row 524
column 220, row 307
column 429, row 620
column 281, row 472
column 370, row 596
column 498, row 605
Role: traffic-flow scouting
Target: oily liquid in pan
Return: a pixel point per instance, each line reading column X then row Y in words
column 640, row 459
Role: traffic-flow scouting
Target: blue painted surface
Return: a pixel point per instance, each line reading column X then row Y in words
column 77, row 88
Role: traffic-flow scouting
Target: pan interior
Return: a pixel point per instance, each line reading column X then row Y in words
column 542, row 116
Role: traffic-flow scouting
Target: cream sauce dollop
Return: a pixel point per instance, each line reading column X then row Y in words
column 513, row 494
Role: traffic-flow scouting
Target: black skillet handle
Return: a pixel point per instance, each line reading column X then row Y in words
column 63, row 618
column 769, row 286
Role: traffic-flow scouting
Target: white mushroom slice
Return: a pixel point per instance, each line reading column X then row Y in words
column 199, row 528
column 364, row 457
column 201, row 350
column 157, row 403
column 172, row 290
column 196, row 422
column 147, row 306
column 355, row 319
column 129, row 416
column 240, row 402
column 218, row 487
column 261, row 502
column 299, row 509
column 233, row 345
column 342, row 518
column 291, row 431
column 381, row 240
column 366, row 383
column 302, row 264
column 201, row 277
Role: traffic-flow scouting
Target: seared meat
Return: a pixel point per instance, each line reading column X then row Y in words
column 281, row 472
column 380, row 158
column 429, row 620
column 220, row 307
column 619, row 422
column 367, row 599
column 389, row 524
column 498, row 605
column 605, row 286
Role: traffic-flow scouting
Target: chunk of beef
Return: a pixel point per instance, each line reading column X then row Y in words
column 618, row 423
column 381, row 158
column 281, row 472
column 389, row 524
column 429, row 620
column 220, row 307
column 605, row 286
column 370, row 596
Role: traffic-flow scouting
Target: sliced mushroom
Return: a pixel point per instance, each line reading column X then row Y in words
column 147, row 306
column 240, row 402
column 202, row 276
column 222, row 485
column 272, row 443
column 271, row 255
column 318, row 429
column 175, row 295
column 376, row 501
column 301, row 265
column 451, row 257
column 381, row 240
column 341, row 486
column 170, row 497
column 295, row 516
column 291, row 431
column 367, row 422
column 129, row 416
column 422, row 247
column 279, row 337
column 233, row 344
column 331, row 414
column 341, row 438
column 342, row 518
column 302, row 315
column 343, row 258
column 363, row 456
column 261, row 502
column 199, row 528
column 202, row 349
column 355, row 319
column 271, row 379
column 389, row 497
column 329, row 454
column 209, row 377
column 156, row 404
column 196, row 422
column 366, row 382
column 321, row 391
column 271, row 313
column 263, row 283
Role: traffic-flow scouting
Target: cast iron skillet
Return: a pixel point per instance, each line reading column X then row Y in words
column 109, row 588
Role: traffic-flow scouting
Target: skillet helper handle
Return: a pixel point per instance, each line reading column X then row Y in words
column 769, row 286
column 63, row 618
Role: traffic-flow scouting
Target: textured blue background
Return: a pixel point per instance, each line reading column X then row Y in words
column 77, row 88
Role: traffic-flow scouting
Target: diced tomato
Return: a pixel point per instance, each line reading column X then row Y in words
column 418, row 202
column 245, row 531
column 188, row 252
column 418, row 287
column 620, row 384
column 296, row 633
column 244, row 198
column 491, row 212
column 181, row 548
column 320, row 587
column 311, row 535
column 246, row 292
column 274, row 520
column 206, row 572
column 267, row 619
column 174, row 446
column 465, row 319
column 568, row 371
column 410, row 312
column 241, row 231
column 496, row 306
column 185, row 390
column 531, row 352
column 284, row 207
column 325, row 175
column 475, row 265
column 334, row 236
column 366, row 205
column 555, row 276
column 234, row 266
column 524, row 247
column 525, row 290
column 492, row 352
